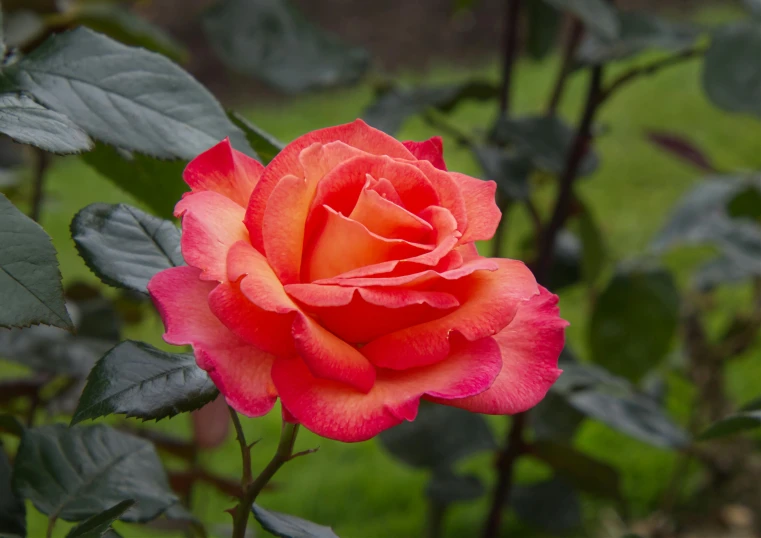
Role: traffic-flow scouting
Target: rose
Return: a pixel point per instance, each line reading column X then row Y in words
column 344, row 279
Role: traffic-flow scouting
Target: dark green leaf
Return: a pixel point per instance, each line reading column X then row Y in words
column 125, row 96
column 58, row 352
column 584, row 472
column 566, row 266
column 746, row 204
column 731, row 71
column 285, row 526
column 446, row 487
column 12, row 509
column 702, row 216
column 264, row 144
column 11, row 425
column 156, row 182
column 632, row 414
column 754, row 6
column 438, row 437
column 30, row 282
column 721, row 270
column 554, row 419
column 545, row 140
column 739, row 422
column 510, row 169
column 76, row 473
column 634, row 321
column 639, row 32
column 28, row 122
column 272, row 41
column 753, row 405
column 138, row 380
column 544, row 23
column 396, row 105
column 121, row 24
column 98, row 525
column 598, row 16
column 125, row 246
column 551, row 506
column 612, row 400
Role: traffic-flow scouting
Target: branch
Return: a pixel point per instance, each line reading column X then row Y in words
column 650, row 69
column 566, row 65
column 514, row 448
column 245, row 450
column 510, row 50
column 579, row 148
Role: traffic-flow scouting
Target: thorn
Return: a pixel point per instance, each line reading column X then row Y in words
column 252, row 445
column 303, row 453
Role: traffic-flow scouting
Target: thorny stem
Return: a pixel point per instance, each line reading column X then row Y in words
column 649, row 69
column 40, row 169
column 51, row 525
column 566, row 66
column 245, row 450
column 283, row 454
column 435, row 519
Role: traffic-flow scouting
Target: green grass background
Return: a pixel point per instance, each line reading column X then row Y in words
column 358, row 488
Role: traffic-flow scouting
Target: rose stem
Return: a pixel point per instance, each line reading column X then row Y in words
column 252, row 487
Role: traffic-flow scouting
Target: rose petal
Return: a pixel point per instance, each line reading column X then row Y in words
column 530, row 347
column 489, row 300
column 481, row 207
column 356, row 134
column 448, row 190
column 243, row 375
column 343, row 245
column 431, row 150
column 387, row 219
column 239, row 370
column 224, row 170
column 358, row 315
column 336, row 411
column 211, row 224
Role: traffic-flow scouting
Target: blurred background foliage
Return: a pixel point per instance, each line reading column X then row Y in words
column 668, row 303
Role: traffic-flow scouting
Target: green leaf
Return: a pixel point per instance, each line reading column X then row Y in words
column 264, row 144
column 285, row 526
column 510, row 169
column 393, row 107
column 124, row 246
column 77, row 473
column 12, row 509
column 566, row 266
column 11, row 425
column 639, row 32
column 121, row 24
column 544, row 23
column 438, row 437
column 28, row 122
column 30, row 282
column 598, row 16
column 447, row 487
column 138, row 380
column 721, row 270
column 272, row 41
column 98, row 525
column 156, row 182
column 533, row 503
column 731, row 70
column 733, row 424
column 634, row 321
column 125, row 96
column 545, row 140
column 584, row 472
